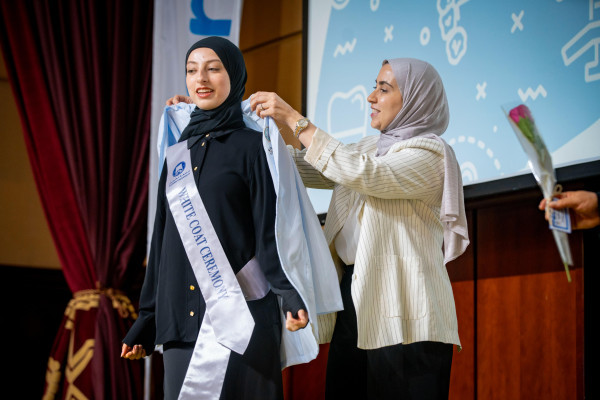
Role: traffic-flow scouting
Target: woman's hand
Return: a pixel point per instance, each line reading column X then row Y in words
column 293, row 324
column 269, row 104
column 134, row 353
column 179, row 98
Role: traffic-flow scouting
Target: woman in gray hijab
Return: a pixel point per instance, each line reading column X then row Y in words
column 395, row 219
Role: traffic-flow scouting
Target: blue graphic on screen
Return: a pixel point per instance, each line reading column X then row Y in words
column 541, row 53
column 204, row 26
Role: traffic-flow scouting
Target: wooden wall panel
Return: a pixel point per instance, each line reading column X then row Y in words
column 263, row 22
column 528, row 337
column 271, row 40
column 462, row 276
column 498, row 339
column 549, row 332
column 277, row 67
column 529, row 327
column 462, row 379
column 514, row 239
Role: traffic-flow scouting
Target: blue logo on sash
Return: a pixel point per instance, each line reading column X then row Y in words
column 179, row 168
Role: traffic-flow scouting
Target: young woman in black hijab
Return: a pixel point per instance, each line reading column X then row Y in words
column 232, row 177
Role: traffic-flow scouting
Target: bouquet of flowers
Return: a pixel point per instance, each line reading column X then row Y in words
column 540, row 162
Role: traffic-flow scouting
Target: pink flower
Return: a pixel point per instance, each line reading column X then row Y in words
column 523, row 119
column 519, row 112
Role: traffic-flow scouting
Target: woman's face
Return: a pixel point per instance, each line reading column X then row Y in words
column 386, row 99
column 207, row 79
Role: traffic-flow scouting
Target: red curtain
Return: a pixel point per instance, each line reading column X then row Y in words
column 81, row 74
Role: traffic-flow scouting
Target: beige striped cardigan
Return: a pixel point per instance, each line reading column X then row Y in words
column 400, row 288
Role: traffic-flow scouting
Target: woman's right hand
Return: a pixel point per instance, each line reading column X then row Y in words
column 134, row 353
column 179, row 98
column 269, row 104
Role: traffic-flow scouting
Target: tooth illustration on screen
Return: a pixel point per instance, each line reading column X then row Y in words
column 454, row 35
column 353, row 106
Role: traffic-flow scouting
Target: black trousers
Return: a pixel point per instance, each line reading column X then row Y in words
column 415, row 371
column 254, row 375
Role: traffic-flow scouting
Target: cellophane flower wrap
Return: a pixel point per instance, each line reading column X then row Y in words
column 540, row 162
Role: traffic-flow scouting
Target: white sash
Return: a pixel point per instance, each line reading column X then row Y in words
column 227, row 324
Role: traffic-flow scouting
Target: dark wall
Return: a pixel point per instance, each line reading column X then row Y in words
column 33, row 303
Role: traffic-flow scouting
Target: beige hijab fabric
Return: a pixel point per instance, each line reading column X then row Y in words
column 425, row 113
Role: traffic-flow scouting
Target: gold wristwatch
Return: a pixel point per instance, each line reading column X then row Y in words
column 301, row 124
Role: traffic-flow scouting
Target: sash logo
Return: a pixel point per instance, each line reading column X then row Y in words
column 268, row 137
column 179, row 168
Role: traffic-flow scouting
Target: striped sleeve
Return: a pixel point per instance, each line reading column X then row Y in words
column 310, row 176
column 411, row 172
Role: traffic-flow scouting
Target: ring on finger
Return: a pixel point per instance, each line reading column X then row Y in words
column 262, row 107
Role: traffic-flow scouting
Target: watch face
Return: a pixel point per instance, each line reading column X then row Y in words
column 303, row 123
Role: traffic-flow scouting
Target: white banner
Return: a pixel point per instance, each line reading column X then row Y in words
column 177, row 25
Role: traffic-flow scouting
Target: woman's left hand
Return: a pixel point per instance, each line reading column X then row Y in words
column 293, row 324
column 179, row 98
column 133, row 353
column 269, row 104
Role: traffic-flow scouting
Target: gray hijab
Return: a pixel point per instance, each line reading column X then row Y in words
column 425, row 113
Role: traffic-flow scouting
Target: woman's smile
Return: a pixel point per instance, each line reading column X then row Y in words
column 204, row 92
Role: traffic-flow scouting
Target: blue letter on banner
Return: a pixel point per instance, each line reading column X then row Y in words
column 203, row 25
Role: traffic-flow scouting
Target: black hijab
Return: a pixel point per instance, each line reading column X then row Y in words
column 228, row 115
